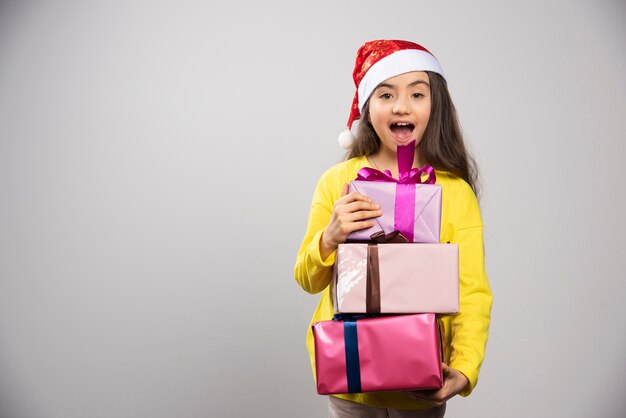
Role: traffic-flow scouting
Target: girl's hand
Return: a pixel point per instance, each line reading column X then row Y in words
column 351, row 213
column 453, row 383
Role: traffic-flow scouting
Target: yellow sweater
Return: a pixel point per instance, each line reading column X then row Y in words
column 461, row 223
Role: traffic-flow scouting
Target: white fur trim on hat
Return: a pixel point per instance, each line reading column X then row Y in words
column 399, row 62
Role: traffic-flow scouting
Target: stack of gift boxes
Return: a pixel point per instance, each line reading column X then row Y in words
column 390, row 283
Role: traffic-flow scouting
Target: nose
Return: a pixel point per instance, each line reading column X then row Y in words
column 401, row 105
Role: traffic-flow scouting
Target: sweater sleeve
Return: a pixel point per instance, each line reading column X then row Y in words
column 311, row 272
column 470, row 326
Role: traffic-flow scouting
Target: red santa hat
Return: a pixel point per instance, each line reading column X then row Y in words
column 376, row 61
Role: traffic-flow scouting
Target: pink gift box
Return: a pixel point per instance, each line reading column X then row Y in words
column 396, row 278
column 378, row 354
column 426, row 214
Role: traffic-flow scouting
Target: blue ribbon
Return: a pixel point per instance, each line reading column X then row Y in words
column 353, row 368
column 351, row 316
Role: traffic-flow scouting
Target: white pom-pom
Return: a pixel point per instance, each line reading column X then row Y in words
column 346, row 139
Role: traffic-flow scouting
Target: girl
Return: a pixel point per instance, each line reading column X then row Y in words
column 402, row 96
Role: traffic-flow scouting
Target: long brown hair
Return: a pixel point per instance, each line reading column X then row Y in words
column 442, row 145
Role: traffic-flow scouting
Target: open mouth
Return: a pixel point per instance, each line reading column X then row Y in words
column 402, row 130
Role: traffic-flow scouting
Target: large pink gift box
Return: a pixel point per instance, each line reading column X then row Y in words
column 401, row 352
column 396, row 278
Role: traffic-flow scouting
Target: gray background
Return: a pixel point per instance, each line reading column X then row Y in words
column 157, row 161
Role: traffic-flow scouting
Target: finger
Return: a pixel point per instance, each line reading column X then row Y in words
column 362, row 215
column 445, row 370
column 347, row 228
column 353, row 196
column 359, row 205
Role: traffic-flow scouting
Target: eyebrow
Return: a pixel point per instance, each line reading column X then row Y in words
column 413, row 84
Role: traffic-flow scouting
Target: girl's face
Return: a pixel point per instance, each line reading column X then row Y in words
column 399, row 109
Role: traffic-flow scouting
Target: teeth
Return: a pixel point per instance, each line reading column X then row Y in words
column 402, row 124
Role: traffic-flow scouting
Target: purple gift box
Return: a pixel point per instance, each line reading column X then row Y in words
column 409, row 204
column 422, row 221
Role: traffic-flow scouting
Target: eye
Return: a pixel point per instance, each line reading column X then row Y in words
column 417, row 95
column 385, row 96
